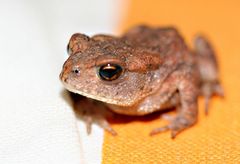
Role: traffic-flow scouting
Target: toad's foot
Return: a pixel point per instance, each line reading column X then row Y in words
column 92, row 112
column 208, row 68
column 176, row 125
column 210, row 89
column 99, row 120
column 187, row 111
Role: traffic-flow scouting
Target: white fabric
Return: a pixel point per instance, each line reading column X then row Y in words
column 37, row 124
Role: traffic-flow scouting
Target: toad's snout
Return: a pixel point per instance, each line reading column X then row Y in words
column 65, row 73
column 63, row 77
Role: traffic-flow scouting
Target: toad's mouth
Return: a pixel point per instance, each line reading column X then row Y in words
column 98, row 98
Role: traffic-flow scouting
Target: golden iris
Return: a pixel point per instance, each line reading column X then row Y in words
column 110, row 72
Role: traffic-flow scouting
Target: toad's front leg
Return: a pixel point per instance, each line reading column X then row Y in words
column 91, row 111
column 185, row 81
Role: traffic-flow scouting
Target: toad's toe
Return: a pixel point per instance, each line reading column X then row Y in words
column 178, row 124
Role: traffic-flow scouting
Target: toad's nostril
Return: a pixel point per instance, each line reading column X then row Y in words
column 76, row 70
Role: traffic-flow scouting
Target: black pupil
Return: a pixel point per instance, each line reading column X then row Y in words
column 110, row 72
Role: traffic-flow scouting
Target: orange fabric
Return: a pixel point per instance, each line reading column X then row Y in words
column 216, row 137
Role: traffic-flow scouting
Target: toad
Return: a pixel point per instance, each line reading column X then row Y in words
column 145, row 70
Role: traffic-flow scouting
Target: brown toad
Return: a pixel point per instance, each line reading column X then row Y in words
column 145, row 70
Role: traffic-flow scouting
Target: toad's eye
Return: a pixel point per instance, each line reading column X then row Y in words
column 110, row 72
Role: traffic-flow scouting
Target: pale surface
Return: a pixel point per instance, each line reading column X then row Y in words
column 37, row 125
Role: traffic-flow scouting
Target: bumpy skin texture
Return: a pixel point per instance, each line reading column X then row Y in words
column 158, row 72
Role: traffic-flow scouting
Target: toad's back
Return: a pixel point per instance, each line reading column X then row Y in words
column 165, row 41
